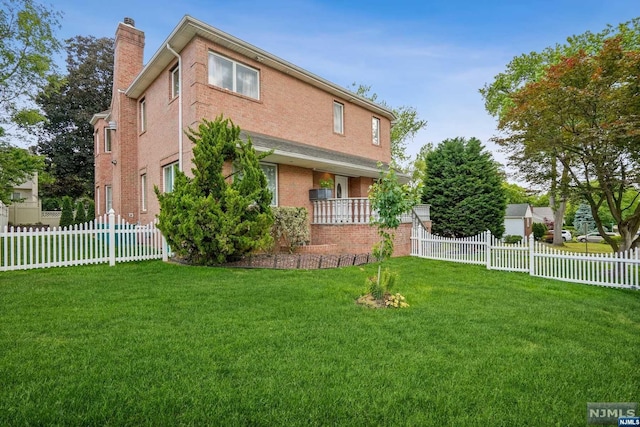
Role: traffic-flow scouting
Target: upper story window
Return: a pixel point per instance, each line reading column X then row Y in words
column 338, row 117
column 175, row 82
column 169, row 173
column 375, row 131
column 229, row 74
column 143, row 115
column 96, row 140
column 107, row 140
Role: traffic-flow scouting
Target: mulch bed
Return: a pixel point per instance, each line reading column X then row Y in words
column 297, row 261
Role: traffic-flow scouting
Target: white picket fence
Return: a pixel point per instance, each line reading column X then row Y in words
column 107, row 239
column 618, row 270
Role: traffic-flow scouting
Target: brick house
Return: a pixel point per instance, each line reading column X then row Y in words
column 317, row 129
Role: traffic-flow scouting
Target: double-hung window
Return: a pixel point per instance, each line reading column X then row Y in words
column 338, row 117
column 175, row 82
column 375, row 131
column 271, row 172
column 143, row 115
column 108, row 198
column 169, row 173
column 143, row 191
column 107, row 140
column 234, row 76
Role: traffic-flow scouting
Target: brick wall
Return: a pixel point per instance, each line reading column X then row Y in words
column 353, row 238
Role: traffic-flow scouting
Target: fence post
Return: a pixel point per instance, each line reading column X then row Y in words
column 532, row 264
column 112, row 237
column 165, row 248
column 487, row 238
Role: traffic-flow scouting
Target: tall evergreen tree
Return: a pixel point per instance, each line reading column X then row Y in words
column 66, row 218
column 212, row 218
column 68, row 102
column 463, row 185
column 81, row 214
column 583, row 219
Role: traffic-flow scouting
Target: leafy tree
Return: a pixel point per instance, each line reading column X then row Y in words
column 548, row 167
column 212, row 218
column 17, row 166
column 66, row 218
column 590, row 103
column 68, row 102
column 464, row 188
column 26, row 57
column 389, row 200
column 81, row 214
column 406, row 126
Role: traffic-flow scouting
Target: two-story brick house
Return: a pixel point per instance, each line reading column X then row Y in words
column 316, row 129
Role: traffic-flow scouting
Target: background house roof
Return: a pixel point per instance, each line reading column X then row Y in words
column 540, row 213
column 518, row 210
column 190, row 27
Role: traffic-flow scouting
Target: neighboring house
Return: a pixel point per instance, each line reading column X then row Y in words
column 316, row 129
column 518, row 220
column 542, row 215
column 26, row 206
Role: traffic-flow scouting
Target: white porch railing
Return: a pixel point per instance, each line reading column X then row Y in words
column 353, row 210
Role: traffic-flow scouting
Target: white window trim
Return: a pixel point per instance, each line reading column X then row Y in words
column 143, row 192
column 375, row 131
column 107, row 131
column 98, row 201
column 234, row 75
column 143, row 115
column 170, row 168
column 175, row 81
column 274, row 198
column 108, row 198
column 341, row 105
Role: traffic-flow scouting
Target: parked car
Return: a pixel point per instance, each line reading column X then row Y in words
column 594, row 237
column 548, row 236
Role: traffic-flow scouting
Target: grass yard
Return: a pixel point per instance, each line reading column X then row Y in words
column 161, row 344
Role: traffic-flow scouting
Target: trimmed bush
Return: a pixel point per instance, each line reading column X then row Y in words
column 66, row 218
column 290, row 227
column 81, row 214
column 509, row 238
column 214, row 217
column 538, row 230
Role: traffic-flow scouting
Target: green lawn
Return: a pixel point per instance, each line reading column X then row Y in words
column 161, row 344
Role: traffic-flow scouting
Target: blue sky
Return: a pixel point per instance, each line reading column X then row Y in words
column 432, row 55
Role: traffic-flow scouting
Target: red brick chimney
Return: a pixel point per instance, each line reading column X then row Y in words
column 128, row 62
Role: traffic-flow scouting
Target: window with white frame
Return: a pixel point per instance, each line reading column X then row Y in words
column 107, row 140
column 234, row 76
column 143, row 115
column 96, row 140
column 98, row 201
column 143, row 191
column 338, row 117
column 175, row 82
column 270, row 170
column 108, row 199
column 169, row 173
column 375, row 131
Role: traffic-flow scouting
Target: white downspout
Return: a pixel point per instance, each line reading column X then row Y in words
column 179, row 106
